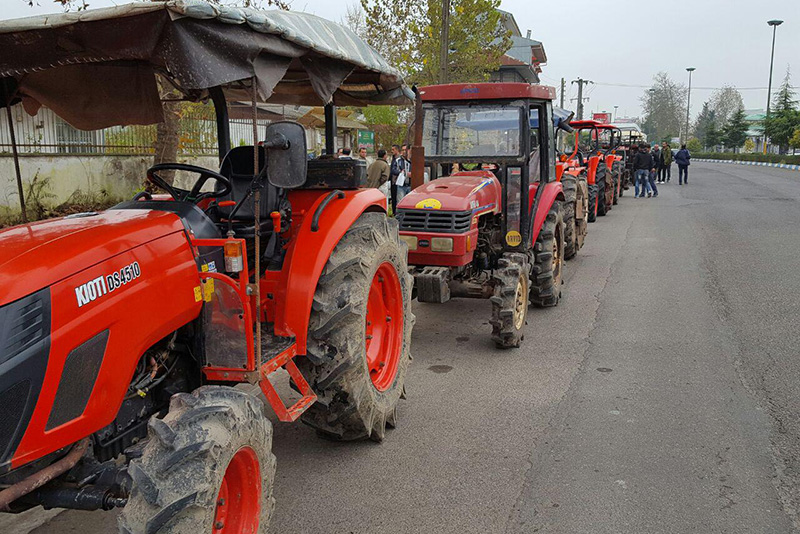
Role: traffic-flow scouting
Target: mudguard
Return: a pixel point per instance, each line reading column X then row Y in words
column 552, row 191
column 309, row 251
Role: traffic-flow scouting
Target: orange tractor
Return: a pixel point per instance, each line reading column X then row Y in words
column 594, row 149
column 123, row 333
column 489, row 222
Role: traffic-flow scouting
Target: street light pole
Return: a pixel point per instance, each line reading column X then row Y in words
column 774, row 24
column 688, row 104
column 615, row 113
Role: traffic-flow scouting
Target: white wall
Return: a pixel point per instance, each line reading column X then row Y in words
column 120, row 176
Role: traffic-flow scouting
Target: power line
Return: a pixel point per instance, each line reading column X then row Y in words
column 636, row 86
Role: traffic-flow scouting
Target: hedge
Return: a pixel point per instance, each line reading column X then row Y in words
column 767, row 158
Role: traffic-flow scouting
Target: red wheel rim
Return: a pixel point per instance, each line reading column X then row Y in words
column 239, row 498
column 384, row 328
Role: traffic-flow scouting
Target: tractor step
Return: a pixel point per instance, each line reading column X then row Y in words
column 286, row 349
column 432, row 284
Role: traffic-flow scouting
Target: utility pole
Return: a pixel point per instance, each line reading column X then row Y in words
column 581, row 82
column 444, row 51
column 563, row 90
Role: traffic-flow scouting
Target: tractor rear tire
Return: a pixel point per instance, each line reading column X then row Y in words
column 594, row 194
column 570, row 231
column 570, row 185
column 357, row 364
column 548, row 260
column 207, row 463
column 510, row 300
column 617, row 171
column 582, row 215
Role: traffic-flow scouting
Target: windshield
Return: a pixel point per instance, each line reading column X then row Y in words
column 587, row 141
column 469, row 131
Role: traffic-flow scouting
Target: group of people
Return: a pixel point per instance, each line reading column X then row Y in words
column 654, row 166
column 394, row 177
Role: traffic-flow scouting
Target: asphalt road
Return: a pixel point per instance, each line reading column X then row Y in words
column 661, row 396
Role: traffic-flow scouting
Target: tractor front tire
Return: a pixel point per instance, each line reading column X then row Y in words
column 510, row 300
column 617, row 170
column 207, row 467
column 359, row 344
column 548, row 260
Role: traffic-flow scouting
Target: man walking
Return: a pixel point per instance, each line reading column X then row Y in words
column 656, row 155
column 642, row 163
column 378, row 172
column 666, row 157
column 682, row 158
column 658, row 162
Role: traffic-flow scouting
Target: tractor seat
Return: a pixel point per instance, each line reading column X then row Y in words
column 237, row 166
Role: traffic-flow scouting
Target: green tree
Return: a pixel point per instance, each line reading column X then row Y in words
column 713, row 136
column 694, row 145
column 664, row 106
column 734, row 133
column 794, row 142
column 784, row 117
column 704, row 120
column 408, row 34
column 385, row 122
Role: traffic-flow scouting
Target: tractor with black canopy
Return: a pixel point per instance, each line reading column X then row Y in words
column 122, row 333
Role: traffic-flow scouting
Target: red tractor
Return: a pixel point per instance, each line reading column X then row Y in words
column 594, row 148
column 123, row 333
column 489, row 222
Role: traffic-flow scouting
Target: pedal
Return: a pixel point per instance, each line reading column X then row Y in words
column 285, row 360
column 432, row 284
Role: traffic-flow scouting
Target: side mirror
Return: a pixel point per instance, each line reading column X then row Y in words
column 287, row 162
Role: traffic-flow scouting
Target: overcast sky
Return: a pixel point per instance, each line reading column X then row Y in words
column 626, row 43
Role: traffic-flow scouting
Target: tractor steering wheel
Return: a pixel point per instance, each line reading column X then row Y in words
column 194, row 195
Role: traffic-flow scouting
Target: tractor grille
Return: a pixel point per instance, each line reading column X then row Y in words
column 446, row 222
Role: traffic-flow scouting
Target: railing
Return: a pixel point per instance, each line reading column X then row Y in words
column 46, row 133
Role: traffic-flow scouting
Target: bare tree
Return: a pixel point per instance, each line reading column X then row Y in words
column 664, row 106
column 725, row 102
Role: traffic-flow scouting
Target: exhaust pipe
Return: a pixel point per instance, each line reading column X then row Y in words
column 40, row 478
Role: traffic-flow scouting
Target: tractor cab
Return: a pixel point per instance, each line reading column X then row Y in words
column 489, row 155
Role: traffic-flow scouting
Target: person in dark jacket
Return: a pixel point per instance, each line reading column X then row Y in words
column 397, row 166
column 666, row 156
column 642, row 164
column 657, row 161
column 682, row 158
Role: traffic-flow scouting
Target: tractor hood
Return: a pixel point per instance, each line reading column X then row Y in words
column 462, row 191
column 40, row 254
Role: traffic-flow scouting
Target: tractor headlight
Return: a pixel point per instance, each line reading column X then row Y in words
column 410, row 240
column 442, row 244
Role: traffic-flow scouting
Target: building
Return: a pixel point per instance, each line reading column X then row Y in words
column 524, row 60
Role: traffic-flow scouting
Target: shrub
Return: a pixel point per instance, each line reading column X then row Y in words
column 768, row 158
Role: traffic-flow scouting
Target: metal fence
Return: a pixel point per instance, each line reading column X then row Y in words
column 46, row 133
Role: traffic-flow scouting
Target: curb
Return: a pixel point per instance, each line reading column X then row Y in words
column 757, row 163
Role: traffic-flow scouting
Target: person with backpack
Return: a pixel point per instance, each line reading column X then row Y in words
column 682, row 158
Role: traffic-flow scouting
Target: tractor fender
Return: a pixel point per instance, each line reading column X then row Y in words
column 594, row 162
column 553, row 191
column 309, row 251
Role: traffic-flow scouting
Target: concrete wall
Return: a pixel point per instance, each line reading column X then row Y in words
column 119, row 176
